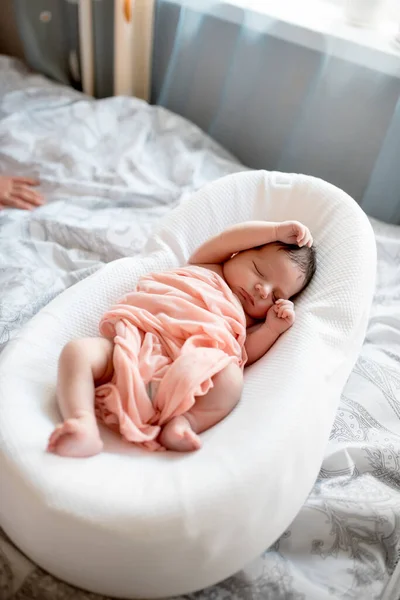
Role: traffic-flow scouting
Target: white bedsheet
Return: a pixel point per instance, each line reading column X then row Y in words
column 111, row 169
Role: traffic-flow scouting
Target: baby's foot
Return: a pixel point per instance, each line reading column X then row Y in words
column 179, row 436
column 77, row 437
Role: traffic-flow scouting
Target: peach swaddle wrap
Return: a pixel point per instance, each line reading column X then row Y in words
column 176, row 330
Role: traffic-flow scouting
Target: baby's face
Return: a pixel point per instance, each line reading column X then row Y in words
column 260, row 277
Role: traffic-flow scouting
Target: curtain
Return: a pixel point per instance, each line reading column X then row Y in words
column 283, row 98
column 278, row 96
column 102, row 47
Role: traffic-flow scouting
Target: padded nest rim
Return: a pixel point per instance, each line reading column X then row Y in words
column 130, row 524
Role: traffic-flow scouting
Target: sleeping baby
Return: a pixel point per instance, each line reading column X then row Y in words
column 169, row 364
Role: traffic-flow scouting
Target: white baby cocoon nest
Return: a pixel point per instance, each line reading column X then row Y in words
column 129, row 523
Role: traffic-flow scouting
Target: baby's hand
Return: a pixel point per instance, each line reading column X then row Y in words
column 293, row 232
column 280, row 316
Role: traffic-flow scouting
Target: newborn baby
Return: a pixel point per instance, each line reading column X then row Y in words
column 264, row 265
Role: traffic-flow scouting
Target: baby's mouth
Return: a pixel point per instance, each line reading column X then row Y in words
column 246, row 296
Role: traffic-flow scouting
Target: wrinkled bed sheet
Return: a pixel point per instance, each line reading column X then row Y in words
column 110, row 170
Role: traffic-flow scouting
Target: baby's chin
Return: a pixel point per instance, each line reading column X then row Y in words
column 257, row 315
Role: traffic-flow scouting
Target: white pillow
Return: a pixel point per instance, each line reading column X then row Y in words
column 129, row 523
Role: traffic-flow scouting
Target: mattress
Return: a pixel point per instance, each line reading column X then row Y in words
column 345, row 540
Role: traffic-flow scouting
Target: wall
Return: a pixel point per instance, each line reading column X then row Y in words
column 9, row 40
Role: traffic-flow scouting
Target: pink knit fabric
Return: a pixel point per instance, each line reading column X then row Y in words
column 177, row 329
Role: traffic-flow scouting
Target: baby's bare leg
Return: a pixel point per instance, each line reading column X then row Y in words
column 181, row 433
column 83, row 364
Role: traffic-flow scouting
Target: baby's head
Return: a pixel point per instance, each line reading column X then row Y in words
column 262, row 275
column 304, row 258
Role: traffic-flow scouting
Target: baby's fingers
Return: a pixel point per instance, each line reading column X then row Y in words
column 288, row 315
column 301, row 238
column 282, row 310
column 305, row 238
column 308, row 240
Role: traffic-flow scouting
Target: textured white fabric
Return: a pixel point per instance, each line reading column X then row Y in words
column 128, row 523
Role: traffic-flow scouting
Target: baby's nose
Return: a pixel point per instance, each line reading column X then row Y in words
column 264, row 290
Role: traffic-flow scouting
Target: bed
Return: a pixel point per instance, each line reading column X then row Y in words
column 110, row 170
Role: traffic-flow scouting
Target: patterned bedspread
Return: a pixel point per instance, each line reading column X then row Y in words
column 110, row 170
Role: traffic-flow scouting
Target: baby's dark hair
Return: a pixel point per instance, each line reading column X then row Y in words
column 304, row 258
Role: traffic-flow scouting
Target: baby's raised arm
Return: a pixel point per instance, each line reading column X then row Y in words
column 249, row 234
column 235, row 239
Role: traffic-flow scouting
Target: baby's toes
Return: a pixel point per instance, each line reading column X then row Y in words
column 55, row 435
column 192, row 439
column 68, row 428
